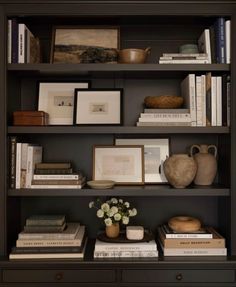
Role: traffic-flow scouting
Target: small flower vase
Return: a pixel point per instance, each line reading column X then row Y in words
column 113, row 230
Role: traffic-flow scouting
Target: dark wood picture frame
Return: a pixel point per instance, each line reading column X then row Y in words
column 98, row 112
column 72, row 53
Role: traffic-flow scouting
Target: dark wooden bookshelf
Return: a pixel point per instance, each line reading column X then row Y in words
column 164, row 26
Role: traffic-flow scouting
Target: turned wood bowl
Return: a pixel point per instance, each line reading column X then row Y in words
column 133, row 56
column 163, row 102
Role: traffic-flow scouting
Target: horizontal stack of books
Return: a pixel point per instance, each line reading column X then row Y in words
column 164, row 117
column 205, row 242
column 56, row 175
column 178, row 58
column 50, row 236
column 124, row 250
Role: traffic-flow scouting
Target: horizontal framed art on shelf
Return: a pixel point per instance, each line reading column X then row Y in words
column 98, row 106
column 57, row 99
column 122, row 164
column 79, row 44
column 155, row 153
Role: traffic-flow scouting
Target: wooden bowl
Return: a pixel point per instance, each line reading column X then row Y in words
column 163, row 102
column 133, row 56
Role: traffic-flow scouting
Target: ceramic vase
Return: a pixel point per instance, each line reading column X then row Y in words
column 206, row 163
column 113, row 230
column 180, row 170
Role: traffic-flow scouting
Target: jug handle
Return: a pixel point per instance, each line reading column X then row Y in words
column 214, row 147
column 192, row 147
column 148, row 50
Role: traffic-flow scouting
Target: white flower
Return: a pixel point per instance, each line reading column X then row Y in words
column 100, row 213
column 91, row 204
column 114, row 200
column 110, row 213
column 120, row 200
column 105, row 207
column 114, row 209
column 108, row 222
column 127, row 204
column 117, row 217
column 133, row 212
column 125, row 220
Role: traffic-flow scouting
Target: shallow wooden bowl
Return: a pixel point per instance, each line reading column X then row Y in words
column 163, row 102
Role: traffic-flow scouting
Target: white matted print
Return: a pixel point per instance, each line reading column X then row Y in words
column 124, row 164
column 155, row 153
column 57, row 99
column 98, row 106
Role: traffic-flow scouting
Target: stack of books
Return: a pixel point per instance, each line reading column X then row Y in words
column 125, row 250
column 165, row 117
column 56, row 175
column 23, row 46
column 179, row 58
column 205, row 242
column 50, row 236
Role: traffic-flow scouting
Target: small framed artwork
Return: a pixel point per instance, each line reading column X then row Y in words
column 98, row 106
column 57, row 99
column 77, row 44
column 122, row 164
column 155, row 153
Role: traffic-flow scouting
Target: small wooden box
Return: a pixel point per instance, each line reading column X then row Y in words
column 30, row 118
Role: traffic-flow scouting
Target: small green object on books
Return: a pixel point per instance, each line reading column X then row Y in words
column 188, row 49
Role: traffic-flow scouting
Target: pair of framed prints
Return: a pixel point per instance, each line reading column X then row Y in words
column 131, row 161
column 70, row 103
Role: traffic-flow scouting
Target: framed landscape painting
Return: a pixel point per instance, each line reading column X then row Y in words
column 73, row 44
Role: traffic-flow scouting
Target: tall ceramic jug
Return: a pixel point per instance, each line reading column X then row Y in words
column 206, row 164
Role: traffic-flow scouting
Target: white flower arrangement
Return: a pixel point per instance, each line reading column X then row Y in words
column 113, row 210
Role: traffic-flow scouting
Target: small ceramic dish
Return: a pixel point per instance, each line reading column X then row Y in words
column 101, row 184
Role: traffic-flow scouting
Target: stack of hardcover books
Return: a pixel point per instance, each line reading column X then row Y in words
column 119, row 250
column 50, row 236
column 178, row 58
column 205, row 242
column 56, row 175
column 165, row 117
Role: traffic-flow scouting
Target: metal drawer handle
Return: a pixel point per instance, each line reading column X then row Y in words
column 179, row 277
column 59, row 276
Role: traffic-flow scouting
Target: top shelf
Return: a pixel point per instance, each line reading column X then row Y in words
column 109, row 70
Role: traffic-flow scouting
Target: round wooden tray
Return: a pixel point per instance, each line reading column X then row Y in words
column 148, row 236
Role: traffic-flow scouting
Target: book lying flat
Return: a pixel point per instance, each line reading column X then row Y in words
column 49, row 255
column 44, row 228
column 77, row 241
column 125, row 254
column 138, row 246
column 69, row 233
column 36, row 220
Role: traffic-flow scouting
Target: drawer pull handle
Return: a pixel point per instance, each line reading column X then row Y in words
column 179, row 277
column 59, row 276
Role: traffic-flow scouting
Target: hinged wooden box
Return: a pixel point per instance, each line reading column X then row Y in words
column 30, row 118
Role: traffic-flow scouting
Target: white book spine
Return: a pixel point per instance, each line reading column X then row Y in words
column 164, row 124
column 188, row 236
column 56, row 186
column 34, row 155
column 195, row 252
column 228, row 41
column 18, row 164
column 203, row 100
column 192, row 95
column 46, row 256
column 125, row 254
column 21, row 44
column 56, row 176
column 208, row 44
column 164, row 116
column 142, row 246
column 165, row 119
column 24, row 153
column 213, row 101
column 183, row 61
column 9, row 41
column 199, row 100
column 219, row 101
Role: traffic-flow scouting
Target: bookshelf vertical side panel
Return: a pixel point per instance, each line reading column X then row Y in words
column 3, row 137
column 233, row 136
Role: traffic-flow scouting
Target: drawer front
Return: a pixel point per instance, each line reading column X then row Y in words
column 86, row 276
column 155, row 276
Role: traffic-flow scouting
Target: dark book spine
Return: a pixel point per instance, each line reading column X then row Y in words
column 14, row 41
column 13, row 141
column 44, row 229
column 29, row 250
column 220, row 40
column 213, row 44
